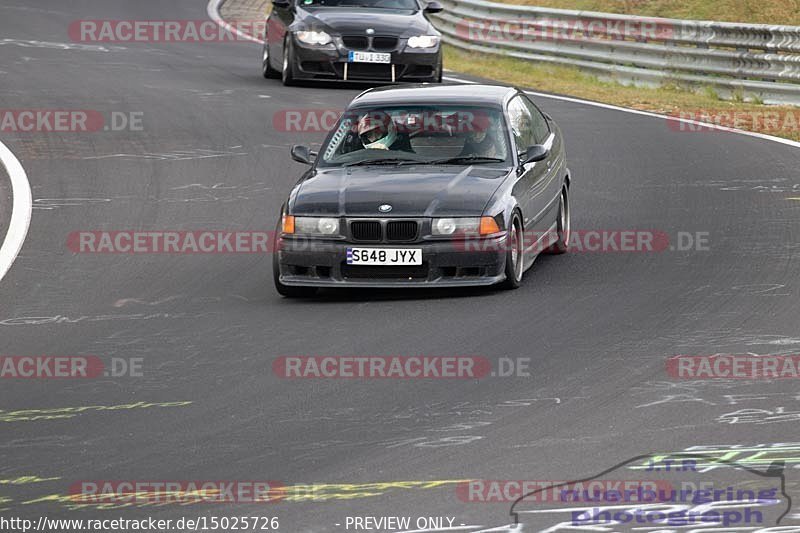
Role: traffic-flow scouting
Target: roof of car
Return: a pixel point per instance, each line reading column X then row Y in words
column 472, row 94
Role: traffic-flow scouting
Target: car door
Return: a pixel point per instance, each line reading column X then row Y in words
column 547, row 188
column 280, row 18
column 528, row 174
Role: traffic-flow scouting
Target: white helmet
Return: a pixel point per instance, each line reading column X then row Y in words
column 377, row 131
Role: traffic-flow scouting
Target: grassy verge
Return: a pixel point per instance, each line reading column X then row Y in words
column 704, row 104
column 753, row 11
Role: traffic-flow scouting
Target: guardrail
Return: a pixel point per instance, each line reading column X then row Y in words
column 753, row 60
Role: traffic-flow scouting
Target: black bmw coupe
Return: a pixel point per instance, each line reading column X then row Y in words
column 352, row 40
column 426, row 186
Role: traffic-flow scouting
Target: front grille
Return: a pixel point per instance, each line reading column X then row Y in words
column 366, row 230
column 360, row 42
column 355, row 42
column 384, row 44
column 384, row 272
column 401, row 230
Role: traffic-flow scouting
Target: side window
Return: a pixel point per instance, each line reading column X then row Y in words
column 521, row 124
column 541, row 131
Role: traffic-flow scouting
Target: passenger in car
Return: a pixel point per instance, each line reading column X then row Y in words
column 484, row 142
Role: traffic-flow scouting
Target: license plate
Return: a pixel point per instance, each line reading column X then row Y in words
column 384, row 256
column 369, row 57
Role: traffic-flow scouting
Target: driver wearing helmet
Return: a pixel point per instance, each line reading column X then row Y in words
column 484, row 141
column 377, row 131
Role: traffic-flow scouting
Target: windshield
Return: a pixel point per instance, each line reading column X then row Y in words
column 379, row 4
column 418, row 135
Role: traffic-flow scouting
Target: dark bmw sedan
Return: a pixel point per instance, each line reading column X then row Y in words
column 352, row 40
column 426, row 186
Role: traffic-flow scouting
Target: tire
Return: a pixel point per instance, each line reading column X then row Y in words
column 287, row 72
column 287, row 291
column 515, row 262
column 563, row 224
column 266, row 69
column 441, row 71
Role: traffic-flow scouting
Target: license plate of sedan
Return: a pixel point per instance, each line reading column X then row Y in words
column 369, row 57
column 384, row 256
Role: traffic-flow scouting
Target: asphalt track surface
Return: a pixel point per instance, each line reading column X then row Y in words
column 596, row 327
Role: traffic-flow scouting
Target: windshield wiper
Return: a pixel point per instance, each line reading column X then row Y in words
column 465, row 159
column 387, row 161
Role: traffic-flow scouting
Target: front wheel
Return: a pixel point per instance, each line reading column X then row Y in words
column 515, row 263
column 287, row 74
column 266, row 68
column 562, row 243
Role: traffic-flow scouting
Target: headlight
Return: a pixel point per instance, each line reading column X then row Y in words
column 465, row 226
column 316, row 226
column 453, row 226
column 423, row 41
column 314, row 37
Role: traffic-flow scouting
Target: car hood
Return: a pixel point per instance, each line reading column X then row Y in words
column 355, row 21
column 359, row 191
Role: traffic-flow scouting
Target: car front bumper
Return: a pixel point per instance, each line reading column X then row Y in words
column 322, row 263
column 332, row 63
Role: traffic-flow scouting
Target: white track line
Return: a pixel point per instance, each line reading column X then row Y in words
column 213, row 12
column 20, row 209
column 780, row 140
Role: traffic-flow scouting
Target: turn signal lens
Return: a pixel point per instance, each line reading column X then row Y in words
column 489, row 226
column 288, row 224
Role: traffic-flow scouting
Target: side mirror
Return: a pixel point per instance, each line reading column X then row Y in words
column 536, row 153
column 303, row 154
column 281, row 4
column 434, row 7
